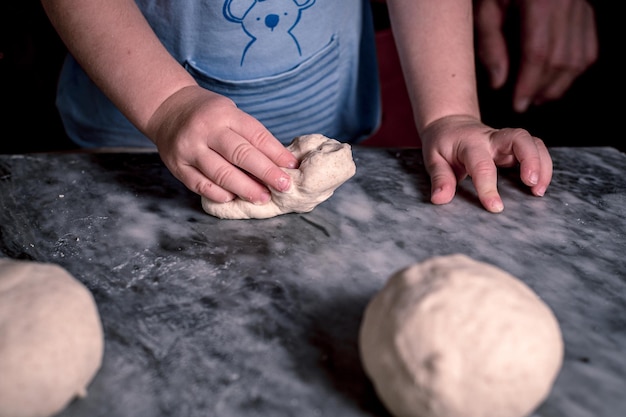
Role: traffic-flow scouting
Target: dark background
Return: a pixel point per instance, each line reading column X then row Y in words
column 31, row 55
column 591, row 113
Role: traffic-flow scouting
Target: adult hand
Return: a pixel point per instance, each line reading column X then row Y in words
column 217, row 150
column 558, row 39
column 457, row 146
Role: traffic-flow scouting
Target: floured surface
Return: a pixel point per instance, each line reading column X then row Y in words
column 325, row 164
column 205, row 317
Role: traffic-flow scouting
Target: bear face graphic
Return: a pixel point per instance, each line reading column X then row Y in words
column 269, row 24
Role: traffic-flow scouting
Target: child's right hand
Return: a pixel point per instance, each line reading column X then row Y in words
column 458, row 146
column 216, row 149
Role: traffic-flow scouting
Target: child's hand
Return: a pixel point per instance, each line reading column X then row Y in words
column 457, row 146
column 217, row 150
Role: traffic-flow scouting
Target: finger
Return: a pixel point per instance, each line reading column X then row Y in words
column 491, row 43
column 532, row 154
column 580, row 48
column 254, row 132
column 536, row 47
column 525, row 151
column 211, row 170
column 198, row 182
column 529, row 82
column 247, row 144
column 535, row 164
column 555, row 86
column 591, row 45
column 248, row 163
column 561, row 43
column 481, row 167
column 443, row 180
column 564, row 58
column 575, row 50
column 546, row 169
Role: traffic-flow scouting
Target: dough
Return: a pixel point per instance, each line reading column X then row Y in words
column 325, row 164
column 51, row 340
column 455, row 337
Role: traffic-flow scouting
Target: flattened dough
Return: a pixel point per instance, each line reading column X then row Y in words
column 455, row 337
column 325, row 164
column 51, row 339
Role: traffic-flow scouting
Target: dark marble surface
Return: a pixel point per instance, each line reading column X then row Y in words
column 207, row 317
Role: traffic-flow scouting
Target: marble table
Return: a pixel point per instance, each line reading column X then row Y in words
column 208, row 317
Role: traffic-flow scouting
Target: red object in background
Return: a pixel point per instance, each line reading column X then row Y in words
column 397, row 128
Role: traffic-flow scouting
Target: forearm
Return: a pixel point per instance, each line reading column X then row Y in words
column 117, row 48
column 435, row 44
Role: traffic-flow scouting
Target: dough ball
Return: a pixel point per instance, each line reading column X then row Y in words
column 455, row 337
column 51, row 339
column 325, row 164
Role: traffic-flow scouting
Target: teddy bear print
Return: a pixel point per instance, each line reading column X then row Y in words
column 269, row 24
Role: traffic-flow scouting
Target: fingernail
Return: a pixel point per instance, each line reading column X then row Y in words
column 292, row 165
column 496, row 206
column 521, row 105
column 534, row 178
column 540, row 191
column 264, row 198
column 283, row 183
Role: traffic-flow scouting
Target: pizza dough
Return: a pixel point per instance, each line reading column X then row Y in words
column 455, row 337
column 51, row 340
column 325, row 164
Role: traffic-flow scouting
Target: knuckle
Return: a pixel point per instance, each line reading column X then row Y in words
column 519, row 133
column 483, row 169
column 552, row 94
column 212, row 191
column 241, row 154
column 537, row 56
column 222, row 175
column 204, row 188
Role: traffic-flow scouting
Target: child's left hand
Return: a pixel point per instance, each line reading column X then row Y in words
column 457, row 146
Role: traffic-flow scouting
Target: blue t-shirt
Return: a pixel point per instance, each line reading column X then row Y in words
column 298, row 66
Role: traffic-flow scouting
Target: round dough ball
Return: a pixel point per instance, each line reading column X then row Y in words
column 51, row 339
column 455, row 337
column 325, row 164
